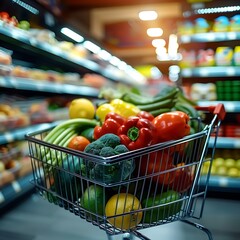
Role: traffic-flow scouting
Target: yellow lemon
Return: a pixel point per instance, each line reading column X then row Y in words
column 81, row 108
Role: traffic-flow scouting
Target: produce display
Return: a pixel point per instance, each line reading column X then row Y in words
column 92, row 159
column 225, row 164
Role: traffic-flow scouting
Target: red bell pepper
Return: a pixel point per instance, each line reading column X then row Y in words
column 183, row 178
column 171, row 125
column 156, row 163
column 146, row 115
column 111, row 124
column 137, row 133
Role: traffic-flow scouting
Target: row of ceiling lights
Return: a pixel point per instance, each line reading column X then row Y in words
column 162, row 52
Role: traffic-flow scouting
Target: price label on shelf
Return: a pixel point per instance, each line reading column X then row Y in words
column 223, row 182
column 187, row 72
column 2, row 199
column 16, row 186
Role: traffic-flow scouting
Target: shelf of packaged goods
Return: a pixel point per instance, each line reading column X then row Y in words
column 15, row 190
column 210, row 37
column 214, row 71
column 19, row 134
column 17, row 37
column 45, row 86
column 230, row 106
column 225, row 142
column 222, row 184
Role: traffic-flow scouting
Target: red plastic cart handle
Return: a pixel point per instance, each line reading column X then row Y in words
column 219, row 110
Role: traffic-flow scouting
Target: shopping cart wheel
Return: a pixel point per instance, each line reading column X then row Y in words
column 200, row 227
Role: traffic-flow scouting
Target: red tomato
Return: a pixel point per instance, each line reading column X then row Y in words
column 78, row 143
column 158, row 162
column 183, row 178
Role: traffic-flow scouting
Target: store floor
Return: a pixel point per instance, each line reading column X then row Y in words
column 36, row 219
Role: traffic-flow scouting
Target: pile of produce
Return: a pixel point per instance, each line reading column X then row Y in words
column 98, row 165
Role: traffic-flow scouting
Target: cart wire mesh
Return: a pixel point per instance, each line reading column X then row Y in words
column 135, row 190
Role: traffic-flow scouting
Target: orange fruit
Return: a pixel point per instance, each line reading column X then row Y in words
column 78, row 143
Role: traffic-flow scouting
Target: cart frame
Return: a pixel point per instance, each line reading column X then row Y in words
column 64, row 186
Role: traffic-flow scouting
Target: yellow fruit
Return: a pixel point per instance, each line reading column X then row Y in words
column 218, row 162
column 233, row 172
column 81, row 108
column 229, row 163
column 126, row 204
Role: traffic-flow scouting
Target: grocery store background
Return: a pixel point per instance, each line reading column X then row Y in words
column 54, row 51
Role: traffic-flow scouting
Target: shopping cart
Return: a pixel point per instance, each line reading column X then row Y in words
column 132, row 191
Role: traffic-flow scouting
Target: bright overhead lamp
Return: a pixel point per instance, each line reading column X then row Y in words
column 148, row 15
column 91, row 46
column 104, row 55
column 26, row 6
column 71, row 34
column 158, row 42
column 154, row 32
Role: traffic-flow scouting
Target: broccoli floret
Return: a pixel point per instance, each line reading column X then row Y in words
column 120, row 149
column 94, row 147
column 107, row 152
column 109, row 140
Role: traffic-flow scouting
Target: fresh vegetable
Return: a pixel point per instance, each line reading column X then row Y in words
column 118, row 106
column 167, row 103
column 183, row 178
column 103, row 110
column 94, row 200
column 13, row 21
column 88, row 133
column 171, row 125
column 4, row 16
column 61, row 136
column 111, row 124
column 126, row 204
column 145, row 100
column 146, row 115
column 66, row 184
column 137, row 133
column 164, row 206
column 107, row 172
column 23, row 24
column 78, row 143
column 81, row 108
column 160, row 164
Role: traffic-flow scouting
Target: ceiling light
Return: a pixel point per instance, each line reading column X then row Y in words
column 26, row 6
column 154, row 32
column 91, row 46
column 71, row 34
column 148, row 15
column 158, row 42
column 104, row 55
column 161, row 50
column 217, row 10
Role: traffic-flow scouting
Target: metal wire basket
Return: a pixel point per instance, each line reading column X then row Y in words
column 174, row 189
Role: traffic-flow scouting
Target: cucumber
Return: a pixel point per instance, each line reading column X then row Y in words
column 167, row 103
column 144, row 100
column 160, row 111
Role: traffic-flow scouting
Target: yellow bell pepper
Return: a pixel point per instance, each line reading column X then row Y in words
column 118, row 106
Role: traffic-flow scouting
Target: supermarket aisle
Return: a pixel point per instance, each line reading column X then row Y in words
column 36, row 219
